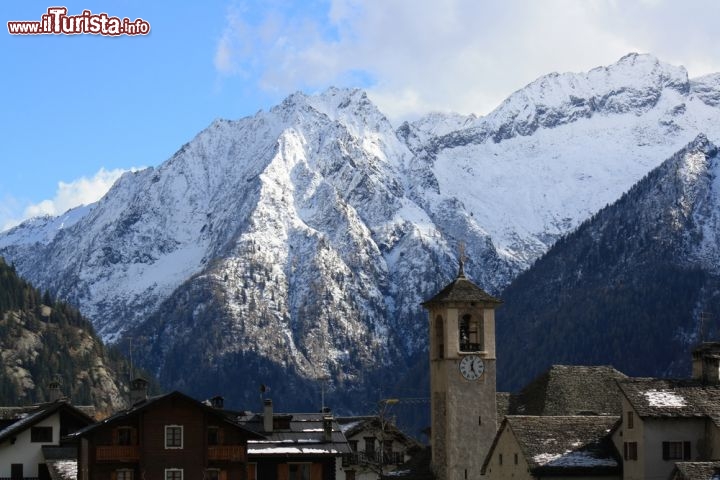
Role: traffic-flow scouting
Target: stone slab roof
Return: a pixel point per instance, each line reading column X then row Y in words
column 696, row 471
column 461, row 290
column 570, row 390
column 567, row 445
column 666, row 398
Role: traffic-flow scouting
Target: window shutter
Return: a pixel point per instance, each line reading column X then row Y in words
column 686, row 451
column 625, row 450
column 666, row 450
column 316, row 471
column 283, row 471
column 221, row 436
column 115, row 436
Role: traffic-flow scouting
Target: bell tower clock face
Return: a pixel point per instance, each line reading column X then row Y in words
column 471, row 367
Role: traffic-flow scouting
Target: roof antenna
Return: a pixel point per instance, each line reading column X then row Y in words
column 462, row 258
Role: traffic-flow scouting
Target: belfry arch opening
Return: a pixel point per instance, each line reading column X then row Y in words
column 470, row 333
column 439, row 337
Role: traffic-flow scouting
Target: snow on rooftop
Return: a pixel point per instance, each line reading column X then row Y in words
column 272, row 450
column 664, row 398
column 68, row 468
column 573, row 459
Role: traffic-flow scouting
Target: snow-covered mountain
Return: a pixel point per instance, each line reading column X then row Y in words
column 305, row 237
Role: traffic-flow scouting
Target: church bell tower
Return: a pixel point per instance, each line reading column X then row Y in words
column 462, row 378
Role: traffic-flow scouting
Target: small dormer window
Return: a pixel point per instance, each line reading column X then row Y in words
column 281, row 422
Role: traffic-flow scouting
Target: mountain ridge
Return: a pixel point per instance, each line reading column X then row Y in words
column 304, row 238
column 627, row 287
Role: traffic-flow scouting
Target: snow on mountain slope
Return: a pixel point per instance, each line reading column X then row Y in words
column 565, row 146
column 313, row 231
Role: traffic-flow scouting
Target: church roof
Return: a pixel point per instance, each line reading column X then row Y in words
column 570, row 390
column 461, row 290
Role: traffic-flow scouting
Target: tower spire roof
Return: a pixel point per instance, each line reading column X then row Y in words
column 461, row 290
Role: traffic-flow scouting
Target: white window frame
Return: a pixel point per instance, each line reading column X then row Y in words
column 127, row 474
column 168, row 470
column 182, row 438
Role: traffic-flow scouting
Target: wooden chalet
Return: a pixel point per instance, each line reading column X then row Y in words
column 169, row 437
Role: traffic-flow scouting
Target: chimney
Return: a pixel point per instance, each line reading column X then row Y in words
column 268, row 415
column 327, row 428
column 706, row 363
column 54, row 392
column 138, row 391
column 217, row 402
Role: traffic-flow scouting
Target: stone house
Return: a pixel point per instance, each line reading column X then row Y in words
column 531, row 447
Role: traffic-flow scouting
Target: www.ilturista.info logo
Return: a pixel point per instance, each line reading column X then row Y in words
column 57, row 21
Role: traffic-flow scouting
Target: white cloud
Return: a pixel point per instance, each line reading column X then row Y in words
column 459, row 55
column 81, row 191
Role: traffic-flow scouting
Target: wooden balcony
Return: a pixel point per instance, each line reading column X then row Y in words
column 232, row 453
column 117, row 453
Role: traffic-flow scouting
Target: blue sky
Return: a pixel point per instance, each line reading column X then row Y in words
column 78, row 110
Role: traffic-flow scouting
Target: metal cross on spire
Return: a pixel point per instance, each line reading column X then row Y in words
column 462, row 258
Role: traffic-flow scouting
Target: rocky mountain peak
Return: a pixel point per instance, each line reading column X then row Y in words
column 302, row 239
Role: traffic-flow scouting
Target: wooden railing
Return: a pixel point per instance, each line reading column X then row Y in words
column 233, row 453
column 118, row 453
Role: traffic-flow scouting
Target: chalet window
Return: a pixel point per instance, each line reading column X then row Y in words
column 212, row 474
column 213, row 436
column 630, row 420
column 125, row 436
column 173, row 436
column 676, row 450
column 124, row 474
column 299, row 471
column 41, row 434
column 630, row 451
column 173, row 474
